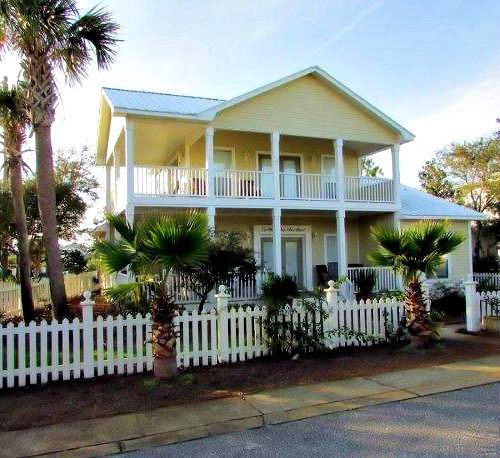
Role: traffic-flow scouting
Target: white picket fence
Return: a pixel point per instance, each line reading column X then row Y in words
column 52, row 351
column 231, row 334
column 10, row 293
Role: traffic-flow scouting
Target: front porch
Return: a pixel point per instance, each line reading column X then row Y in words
column 302, row 244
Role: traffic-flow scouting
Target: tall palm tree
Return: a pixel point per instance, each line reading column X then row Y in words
column 414, row 252
column 150, row 250
column 14, row 120
column 50, row 35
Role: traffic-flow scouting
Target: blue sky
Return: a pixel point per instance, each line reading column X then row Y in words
column 434, row 66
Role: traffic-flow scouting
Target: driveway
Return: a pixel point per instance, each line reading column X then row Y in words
column 461, row 423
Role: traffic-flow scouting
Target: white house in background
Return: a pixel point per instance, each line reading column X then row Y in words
column 280, row 164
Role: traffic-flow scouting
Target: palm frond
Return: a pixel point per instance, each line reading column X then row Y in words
column 94, row 31
column 114, row 255
column 120, row 224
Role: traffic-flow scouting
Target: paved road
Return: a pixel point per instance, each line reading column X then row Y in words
column 462, row 423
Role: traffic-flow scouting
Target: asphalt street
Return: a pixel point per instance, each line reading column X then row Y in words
column 462, row 423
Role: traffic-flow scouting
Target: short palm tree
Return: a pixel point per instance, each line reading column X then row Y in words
column 14, row 120
column 50, row 35
column 414, row 252
column 150, row 250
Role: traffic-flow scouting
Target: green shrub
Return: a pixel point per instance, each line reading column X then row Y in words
column 365, row 282
column 278, row 291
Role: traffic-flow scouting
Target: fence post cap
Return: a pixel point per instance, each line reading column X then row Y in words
column 331, row 286
column 222, row 292
column 86, row 298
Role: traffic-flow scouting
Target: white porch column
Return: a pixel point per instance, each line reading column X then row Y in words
column 211, row 218
column 277, row 240
column 339, row 167
column 129, row 160
column 130, row 214
column 341, row 243
column 209, row 160
column 470, row 253
column 395, row 174
column 275, row 160
column 109, row 204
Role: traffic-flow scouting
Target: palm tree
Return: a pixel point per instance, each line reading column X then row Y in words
column 14, row 120
column 50, row 35
column 414, row 252
column 150, row 250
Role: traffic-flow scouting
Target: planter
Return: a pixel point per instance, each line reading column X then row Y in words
column 492, row 324
column 165, row 368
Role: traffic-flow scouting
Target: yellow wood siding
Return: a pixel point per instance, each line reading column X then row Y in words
column 246, row 146
column 459, row 259
column 306, row 107
column 366, row 243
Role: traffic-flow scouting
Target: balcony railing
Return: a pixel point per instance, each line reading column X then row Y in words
column 254, row 184
column 307, row 186
column 369, row 189
column 170, row 181
column 243, row 183
column 385, row 278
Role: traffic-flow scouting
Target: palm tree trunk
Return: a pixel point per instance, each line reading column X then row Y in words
column 47, row 205
column 16, row 189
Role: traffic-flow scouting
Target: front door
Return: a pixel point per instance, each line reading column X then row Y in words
column 292, row 261
column 266, row 179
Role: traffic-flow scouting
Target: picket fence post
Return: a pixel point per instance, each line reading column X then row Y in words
column 222, row 301
column 332, row 294
column 88, row 335
column 472, row 310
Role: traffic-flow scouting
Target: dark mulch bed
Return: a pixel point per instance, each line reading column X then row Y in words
column 105, row 396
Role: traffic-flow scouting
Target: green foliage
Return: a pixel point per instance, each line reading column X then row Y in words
column 365, row 283
column 416, row 250
column 278, row 291
column 227, row 259
column 369, row 169
column 435, row 181
column 75, row 192
column 286, row 336
column 73, row 261
column 438, row 315
column 151, row 249
column 349, row 333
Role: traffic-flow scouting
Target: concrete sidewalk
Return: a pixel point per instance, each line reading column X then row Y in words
column 98, row 437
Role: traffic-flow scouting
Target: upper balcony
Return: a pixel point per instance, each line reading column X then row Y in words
column 254, row 184
column 166, row 163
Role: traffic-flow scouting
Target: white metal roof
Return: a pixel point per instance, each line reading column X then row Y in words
column 418, row 204
column 205, row 109
column 127, row 100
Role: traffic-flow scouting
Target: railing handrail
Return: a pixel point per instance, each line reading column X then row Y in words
column 243, row 171
column 307, row 174
column 167, row 167
column 362, row 177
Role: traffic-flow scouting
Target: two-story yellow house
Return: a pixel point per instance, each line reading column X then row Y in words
column 280, row 164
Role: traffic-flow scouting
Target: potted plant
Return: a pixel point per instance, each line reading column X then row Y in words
column 151, row 250
column 415, row 252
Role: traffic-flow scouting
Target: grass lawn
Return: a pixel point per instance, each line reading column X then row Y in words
column 110, row 395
